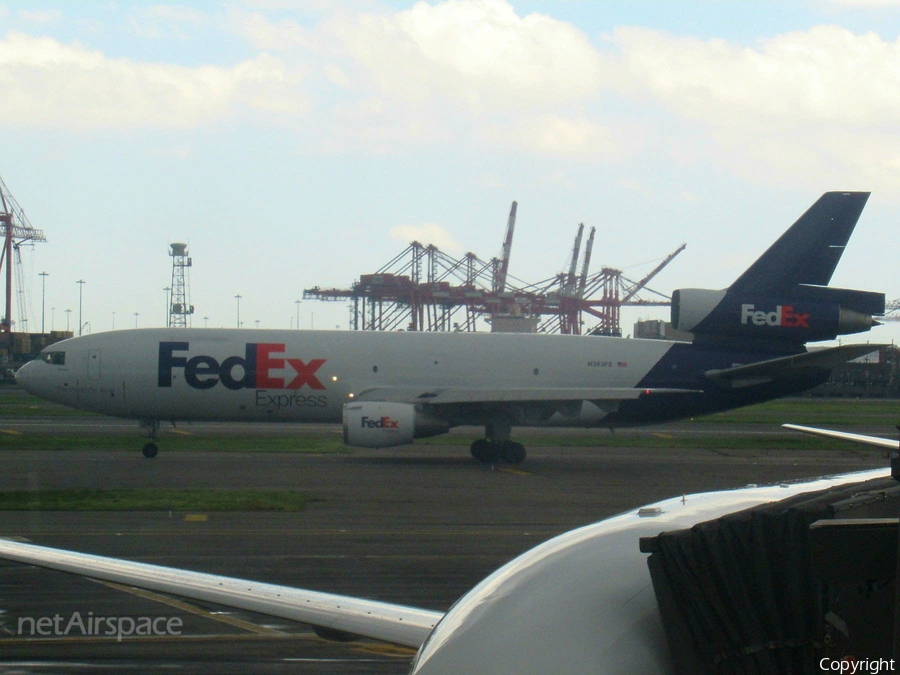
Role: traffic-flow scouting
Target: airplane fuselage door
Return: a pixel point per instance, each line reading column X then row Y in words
column 94, row 364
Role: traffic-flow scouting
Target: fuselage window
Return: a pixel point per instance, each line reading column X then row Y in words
column 54, row 358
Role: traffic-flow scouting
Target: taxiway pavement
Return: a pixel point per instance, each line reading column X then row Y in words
column 418, row 525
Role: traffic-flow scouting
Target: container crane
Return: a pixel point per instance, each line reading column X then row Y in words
column 15, row 230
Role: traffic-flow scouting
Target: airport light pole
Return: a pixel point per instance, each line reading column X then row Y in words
column 44, row 276
column 167, row 289
column 80, row 283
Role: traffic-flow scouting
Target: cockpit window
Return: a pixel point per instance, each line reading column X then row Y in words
column 54, row 358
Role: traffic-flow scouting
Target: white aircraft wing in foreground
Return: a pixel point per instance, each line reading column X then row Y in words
column 581, row 603
column 874, row 441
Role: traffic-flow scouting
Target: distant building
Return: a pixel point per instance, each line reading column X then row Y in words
column 876, row 375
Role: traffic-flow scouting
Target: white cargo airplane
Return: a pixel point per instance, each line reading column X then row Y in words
column 581, row 603
column 389, row 388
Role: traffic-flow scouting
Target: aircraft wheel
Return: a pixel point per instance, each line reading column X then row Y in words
column 484, row 451
column 512, row 452
column 150, row 450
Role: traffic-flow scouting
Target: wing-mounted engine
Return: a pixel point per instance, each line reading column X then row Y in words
column 384, row 424
column 803, row 314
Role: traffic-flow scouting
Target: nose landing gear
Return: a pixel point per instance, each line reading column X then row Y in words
column 150, row 449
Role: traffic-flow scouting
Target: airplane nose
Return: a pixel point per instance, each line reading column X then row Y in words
column 25, row 376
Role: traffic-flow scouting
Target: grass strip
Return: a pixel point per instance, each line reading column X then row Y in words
column 812, row 411
column 152, row 500
column 301, row 443
column 649, row 439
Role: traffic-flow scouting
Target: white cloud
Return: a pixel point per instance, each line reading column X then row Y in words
column 806, row 107
column 426, row 233
column 48, row 83
column 475, row 54
column 469, row 70
column 827, row 74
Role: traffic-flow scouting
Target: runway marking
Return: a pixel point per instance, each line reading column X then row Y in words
column 515, row 472
column 196, row 518
column 11, row 432
column 193, row 609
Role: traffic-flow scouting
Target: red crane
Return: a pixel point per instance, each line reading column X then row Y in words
column 15, row 230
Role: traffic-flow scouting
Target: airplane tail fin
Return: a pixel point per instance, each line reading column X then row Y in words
column 809, row 251
column 783, row 299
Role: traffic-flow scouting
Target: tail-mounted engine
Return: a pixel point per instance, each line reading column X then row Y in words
column 804, row 314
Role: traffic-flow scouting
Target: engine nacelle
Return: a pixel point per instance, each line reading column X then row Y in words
column 806, row 314
column 380, row 424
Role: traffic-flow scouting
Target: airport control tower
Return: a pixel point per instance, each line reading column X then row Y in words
column 181, row 309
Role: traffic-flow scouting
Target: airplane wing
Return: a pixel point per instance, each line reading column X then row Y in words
column 452, row 395
column 407, row 626
column 874, row 441
column 786, row 366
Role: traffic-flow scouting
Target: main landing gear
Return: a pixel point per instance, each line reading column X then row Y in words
column 488, row 452
column 152, row 426
column 497, row 445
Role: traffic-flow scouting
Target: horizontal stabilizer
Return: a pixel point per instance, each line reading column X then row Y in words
column 461, row 395
column 874, row 441
column 398, row 624
column 787, row 366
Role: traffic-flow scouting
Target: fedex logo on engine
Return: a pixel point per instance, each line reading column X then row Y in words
column 262, row 366
column 380, row 423
column 784, row 315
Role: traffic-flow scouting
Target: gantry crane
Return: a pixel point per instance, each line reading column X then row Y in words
column 15, row 230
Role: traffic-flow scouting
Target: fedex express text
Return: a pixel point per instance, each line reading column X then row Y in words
column 263, row 366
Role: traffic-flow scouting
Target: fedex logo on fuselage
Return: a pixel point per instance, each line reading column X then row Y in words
column 784, row 315
column 258, row 368
column 380, row 423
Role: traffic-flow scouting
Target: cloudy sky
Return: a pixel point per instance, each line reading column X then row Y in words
column 300, row 143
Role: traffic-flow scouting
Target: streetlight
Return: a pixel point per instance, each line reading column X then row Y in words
column 205, row 321
column 52, row 318
column 168, row 310
column 136, row 315
column 257, row 324
column 68, row 313
column 44, row 276
column 80, row 283
column 238, row 298
column 114, row 320
column 298, row 313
